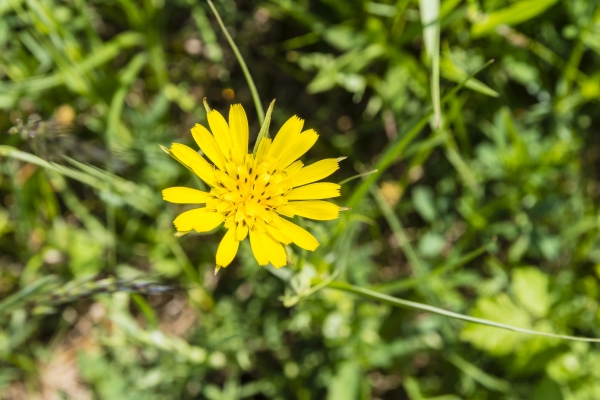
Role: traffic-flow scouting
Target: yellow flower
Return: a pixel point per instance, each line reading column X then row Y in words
column 251, row 192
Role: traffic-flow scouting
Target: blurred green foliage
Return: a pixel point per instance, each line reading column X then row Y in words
column 488, row 211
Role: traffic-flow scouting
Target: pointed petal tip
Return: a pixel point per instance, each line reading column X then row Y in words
column 341, row 158
column 289, row 259
column 206, row 106
column 163, row 148
column 217, row 268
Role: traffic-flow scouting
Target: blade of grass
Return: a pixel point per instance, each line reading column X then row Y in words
column 255, row 97
column 430, row 19
column 419, row 267
column 471, row 370
column 137, row 196
column 26, row 293
column 405, row 284
column 100, row 56
column 395, row 148
column 515, row 13
column 117, row 136
column 356, row 177
column 396, row 302
column 465, row 172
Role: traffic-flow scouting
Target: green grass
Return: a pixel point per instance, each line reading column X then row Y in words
column 483, row 204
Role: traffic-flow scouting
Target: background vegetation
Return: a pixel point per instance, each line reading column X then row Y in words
column 488, row 209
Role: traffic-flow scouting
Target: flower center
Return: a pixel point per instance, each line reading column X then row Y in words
column 247, row 194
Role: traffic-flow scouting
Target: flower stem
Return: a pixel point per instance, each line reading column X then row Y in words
column 396, row 302
column 259, row 108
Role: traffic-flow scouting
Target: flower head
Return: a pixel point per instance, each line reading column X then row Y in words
column 252, row 193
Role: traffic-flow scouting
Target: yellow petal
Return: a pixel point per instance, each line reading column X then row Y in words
column 226, row 180
column 277, row 234
column 227, row 249
column 259, row 248
column 319, row 210
column 194, row 161
column 299, row 236
column 220, row 131
column 315, row 172
column 241, row 232
column 304, row 142
column 183, row 195
column 315, row 191
column 286, row 210
column 286, row 137
column 238, row 127
column 277, row 254
column 198, row 219
column 294, row 167
column 208, row 145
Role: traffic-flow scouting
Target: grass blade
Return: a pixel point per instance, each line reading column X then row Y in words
column 405, row 284
column 489, row 381
column 26, row 293
column 138, row 196
column 394, row 149
column 392, row 219
column 515, row 13
column 430, row 19
column 343, row 182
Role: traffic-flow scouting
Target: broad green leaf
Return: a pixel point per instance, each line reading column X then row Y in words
column 501, row 309
column 530, row 287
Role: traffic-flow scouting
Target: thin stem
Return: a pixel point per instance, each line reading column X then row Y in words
column 238, row 55
column 396, row 302
column 356, row 177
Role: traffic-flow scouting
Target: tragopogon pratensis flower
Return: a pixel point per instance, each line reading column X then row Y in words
column 252, row 193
